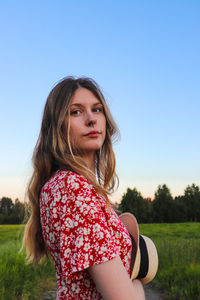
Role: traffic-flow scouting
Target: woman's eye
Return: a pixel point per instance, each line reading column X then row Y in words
column 75, row 112
column 98, row 109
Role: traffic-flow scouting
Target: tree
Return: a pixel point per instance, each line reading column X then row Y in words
column 133, row 202
column 6, row 206
column 192, row 202
column 149, row 210
column 163, row 205
column 179, row 209
column 11, row 213
column 19, row 211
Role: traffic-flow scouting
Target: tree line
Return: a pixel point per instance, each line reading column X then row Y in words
column 13, row 212
column 163, row 208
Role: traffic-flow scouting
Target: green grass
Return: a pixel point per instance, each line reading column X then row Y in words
column 178, row 248
column 17, row 279
column 9, row 233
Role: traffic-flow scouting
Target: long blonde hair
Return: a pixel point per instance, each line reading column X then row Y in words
column 53, row 151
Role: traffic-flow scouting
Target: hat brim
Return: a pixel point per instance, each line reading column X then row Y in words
column 131, row 225
column 144, row 259
column 151, row 255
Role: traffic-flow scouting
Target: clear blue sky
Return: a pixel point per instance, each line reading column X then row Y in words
column 146, row 57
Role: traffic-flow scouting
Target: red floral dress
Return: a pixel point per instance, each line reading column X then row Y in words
column 79, row 232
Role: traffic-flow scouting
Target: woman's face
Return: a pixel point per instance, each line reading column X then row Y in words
column 87, row 122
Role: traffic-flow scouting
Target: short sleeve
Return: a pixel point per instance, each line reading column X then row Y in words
column 85, row 238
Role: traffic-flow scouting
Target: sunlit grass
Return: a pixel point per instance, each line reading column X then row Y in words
column 10, row 233
column 19, row 280
column 178, row 248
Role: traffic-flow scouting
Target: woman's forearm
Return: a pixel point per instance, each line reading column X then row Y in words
column 139, row 290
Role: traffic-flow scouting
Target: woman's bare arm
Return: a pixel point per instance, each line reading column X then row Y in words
column 113, row 282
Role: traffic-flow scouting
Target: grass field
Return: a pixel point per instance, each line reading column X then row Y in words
column 178, row 248
column 19, row 281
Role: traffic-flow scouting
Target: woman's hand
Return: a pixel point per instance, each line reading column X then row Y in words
column 113, row 282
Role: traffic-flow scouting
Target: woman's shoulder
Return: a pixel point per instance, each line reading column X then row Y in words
column 68, row 180
column 73, row 179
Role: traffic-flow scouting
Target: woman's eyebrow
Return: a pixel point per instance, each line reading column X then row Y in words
column 97, row 103
column 81, row 105
column 76, row 104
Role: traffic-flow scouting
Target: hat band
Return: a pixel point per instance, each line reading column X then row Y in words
column 144, row 266
column 144, row 261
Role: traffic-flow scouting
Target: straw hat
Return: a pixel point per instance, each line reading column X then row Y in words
column 144, row 256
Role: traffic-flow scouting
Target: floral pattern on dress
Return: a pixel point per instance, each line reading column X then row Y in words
column 79, row 232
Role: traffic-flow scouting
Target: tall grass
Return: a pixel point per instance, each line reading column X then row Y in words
column 178, row 248
column 17, row 279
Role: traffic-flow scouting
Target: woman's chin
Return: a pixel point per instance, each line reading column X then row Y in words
column 90, row 150
column 92, row 147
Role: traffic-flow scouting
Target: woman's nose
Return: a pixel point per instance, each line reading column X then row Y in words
column 91, row 120
column 91, row 123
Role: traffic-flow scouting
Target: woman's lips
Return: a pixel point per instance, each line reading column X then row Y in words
column 93, row 134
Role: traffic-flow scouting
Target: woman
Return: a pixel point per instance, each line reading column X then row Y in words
column 72, row 219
